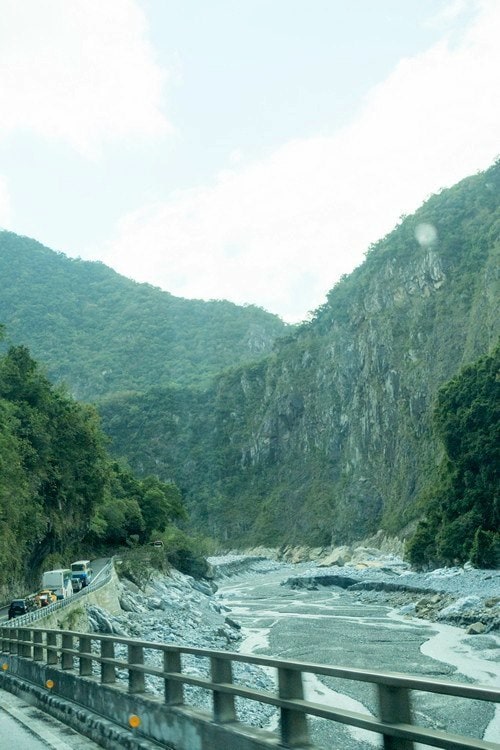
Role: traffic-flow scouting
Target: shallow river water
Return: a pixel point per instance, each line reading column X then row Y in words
column 331, row 626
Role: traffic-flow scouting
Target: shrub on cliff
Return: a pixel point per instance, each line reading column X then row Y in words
column 463, row 511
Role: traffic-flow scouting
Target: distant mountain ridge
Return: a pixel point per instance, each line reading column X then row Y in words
column 102, row 333
column 326, row 435
column 330, row 437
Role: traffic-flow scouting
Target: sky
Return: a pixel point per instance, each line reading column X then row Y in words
column 248, row 150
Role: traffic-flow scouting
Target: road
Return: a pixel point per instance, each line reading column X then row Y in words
column 329, row 626
column 24, row 727
column 97, row 566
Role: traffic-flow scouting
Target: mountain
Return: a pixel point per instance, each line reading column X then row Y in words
column 327, row 435
column 102, row 333
column 330, row 437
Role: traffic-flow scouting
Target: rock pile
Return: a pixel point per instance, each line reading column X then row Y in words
column 178, row 609
column 461, row 596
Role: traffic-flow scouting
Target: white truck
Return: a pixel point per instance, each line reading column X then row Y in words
column 58, row 581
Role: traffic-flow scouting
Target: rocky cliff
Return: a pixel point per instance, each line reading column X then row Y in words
column 329, row 438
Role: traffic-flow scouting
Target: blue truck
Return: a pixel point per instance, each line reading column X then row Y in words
column 81, row 574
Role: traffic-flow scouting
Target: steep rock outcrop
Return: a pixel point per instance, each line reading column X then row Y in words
column 330, row 437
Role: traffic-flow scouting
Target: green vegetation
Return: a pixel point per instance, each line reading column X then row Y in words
column 320, row 436
column 463, row 506
column 180, row 550
column 133, row 511
column 104, row 334
column 53, row 467
column 60, row 492
column 330, row 436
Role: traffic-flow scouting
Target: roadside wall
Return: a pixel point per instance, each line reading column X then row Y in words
column 74, row 616
column 102, row 713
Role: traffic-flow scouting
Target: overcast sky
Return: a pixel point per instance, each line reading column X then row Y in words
column 249, row 150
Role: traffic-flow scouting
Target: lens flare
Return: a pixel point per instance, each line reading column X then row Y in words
column 425, row 234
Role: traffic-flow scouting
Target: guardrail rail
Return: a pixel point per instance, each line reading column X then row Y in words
column 104, row 576
column 97, row 659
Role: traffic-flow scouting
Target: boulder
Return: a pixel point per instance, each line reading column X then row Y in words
column 102, row 622
column 492, row 602
column 232, row 623
column 365, row 554
column 129, row 603
column 476, row 628
column 338, row 556
column 461, row 606
column 203, row 587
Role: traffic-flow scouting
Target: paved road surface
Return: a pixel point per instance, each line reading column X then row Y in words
column 97, row 565
column 26, row 728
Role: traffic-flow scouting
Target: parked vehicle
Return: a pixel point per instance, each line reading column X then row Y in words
column 46, row 597
column 58, row 581
column 81, row 574
column 18, row 607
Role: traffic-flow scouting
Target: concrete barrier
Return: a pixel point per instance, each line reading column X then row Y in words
column 81, row 669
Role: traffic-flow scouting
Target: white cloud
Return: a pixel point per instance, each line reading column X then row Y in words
column 450, row 12
column 80, row 71
column 281, row 231
column 5, row 204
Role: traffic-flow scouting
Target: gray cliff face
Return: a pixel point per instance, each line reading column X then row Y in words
column 333, row 436
column 329, row 437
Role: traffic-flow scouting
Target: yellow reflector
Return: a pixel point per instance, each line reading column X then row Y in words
column 134, row 721
column 5, row 666
column 49, row 684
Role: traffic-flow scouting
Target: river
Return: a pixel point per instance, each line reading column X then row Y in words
column 332, row 626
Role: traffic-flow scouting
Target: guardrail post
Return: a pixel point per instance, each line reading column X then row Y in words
column 5, row 639
column 136, row 682
column 222, row 672
column 394, row 708
column 25, row 648
column 51, row 647
column 13, row 646
column 67, row 659
column 174, row 691
column 108, row 673
column 38, row 645
column 85, row 647
column 294, row 731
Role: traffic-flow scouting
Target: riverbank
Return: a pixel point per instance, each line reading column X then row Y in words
column 463, row 596
column 347, row 607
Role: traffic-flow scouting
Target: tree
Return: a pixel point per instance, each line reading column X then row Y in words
column 463, row 510
column 161, row 504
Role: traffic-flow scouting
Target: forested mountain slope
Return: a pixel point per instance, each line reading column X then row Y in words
column 61, row 494
column 330, row 436
column 102, row 333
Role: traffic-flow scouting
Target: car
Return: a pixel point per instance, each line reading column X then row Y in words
column 18, row 607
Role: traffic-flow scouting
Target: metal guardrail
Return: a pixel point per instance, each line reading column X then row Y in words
column 94, row 655
column 104, row 576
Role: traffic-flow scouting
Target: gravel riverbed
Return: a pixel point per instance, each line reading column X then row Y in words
column 178, row 609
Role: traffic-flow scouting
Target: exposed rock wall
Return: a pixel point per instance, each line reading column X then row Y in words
column 332, row 436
